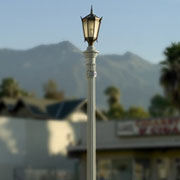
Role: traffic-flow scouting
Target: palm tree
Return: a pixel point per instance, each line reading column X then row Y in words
column 114, row 95
column 170, row 74
column 116, row 110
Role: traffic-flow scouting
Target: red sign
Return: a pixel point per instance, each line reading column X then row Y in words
column 158, row 126
column 149, row 127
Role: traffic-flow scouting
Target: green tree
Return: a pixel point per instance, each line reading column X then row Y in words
column 170, row 74
column 160, row 107
column 10, row 88
column 136, row 112
column 51, row 91
column 116, row 110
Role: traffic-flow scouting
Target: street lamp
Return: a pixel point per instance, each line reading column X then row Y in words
column 91, row 25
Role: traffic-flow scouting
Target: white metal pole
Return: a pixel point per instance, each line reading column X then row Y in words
column 90, row 55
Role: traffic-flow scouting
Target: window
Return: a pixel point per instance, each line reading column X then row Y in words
column 104, row 167
column 114, row 169
column 122, row 169
column 142, row 169
column 177, row 169
column 163, row 168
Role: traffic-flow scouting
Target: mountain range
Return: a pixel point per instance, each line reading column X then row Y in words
column 137, row 79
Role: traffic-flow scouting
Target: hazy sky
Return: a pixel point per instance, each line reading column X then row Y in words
column 144, row 27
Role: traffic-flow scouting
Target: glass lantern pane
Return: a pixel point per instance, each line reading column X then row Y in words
column 96, row 28
column 85, row 28
column 91, row 28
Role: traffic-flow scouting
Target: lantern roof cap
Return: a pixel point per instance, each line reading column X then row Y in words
column 91, row 15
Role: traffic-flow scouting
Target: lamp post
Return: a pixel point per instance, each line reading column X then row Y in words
column 91, row 24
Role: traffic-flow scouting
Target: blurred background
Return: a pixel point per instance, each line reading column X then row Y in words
column 43, row 89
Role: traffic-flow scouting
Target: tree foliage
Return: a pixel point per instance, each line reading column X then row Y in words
column 51, row 91
column 116, row 110
column 160, row 106
column 113, row 94
column 136, row 112
column 9, row 87
column 170, row 74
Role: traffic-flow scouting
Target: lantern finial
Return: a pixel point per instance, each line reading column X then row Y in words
column 91, row 9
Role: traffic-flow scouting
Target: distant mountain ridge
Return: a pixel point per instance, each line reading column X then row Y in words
column 137, row 78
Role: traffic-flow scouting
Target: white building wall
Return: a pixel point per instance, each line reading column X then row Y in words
column 78, row 116
column 38, row 144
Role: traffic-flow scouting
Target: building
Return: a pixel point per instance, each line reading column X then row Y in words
column 134, row 150
column 33, row 149
column 35, row 134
